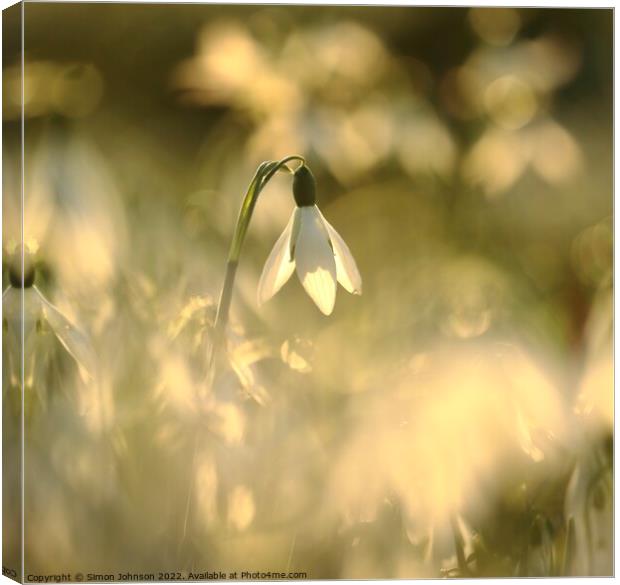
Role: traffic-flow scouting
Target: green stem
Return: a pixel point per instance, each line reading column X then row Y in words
column 263, row 175
column 459, row 546
column 569, row 548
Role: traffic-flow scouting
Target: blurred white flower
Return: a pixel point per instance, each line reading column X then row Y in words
column 40, row 317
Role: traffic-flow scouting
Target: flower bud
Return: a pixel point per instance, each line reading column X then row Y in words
column 15, row 270
column 304, row 187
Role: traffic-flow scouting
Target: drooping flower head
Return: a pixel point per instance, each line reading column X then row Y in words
column 311, row 246
column 25, row 306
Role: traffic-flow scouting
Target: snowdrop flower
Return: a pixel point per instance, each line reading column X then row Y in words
column 309, row 243
column 312, row 247
column 40, row 317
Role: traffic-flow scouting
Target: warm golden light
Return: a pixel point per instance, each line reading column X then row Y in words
column 411, row 375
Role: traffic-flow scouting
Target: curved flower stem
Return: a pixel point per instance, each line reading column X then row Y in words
column 263, row 174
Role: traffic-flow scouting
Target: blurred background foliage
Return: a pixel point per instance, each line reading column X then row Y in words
column 456, row 419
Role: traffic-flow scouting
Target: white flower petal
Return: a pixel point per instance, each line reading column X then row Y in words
column 346, row 268
column 74, row 341
column 314, row 259
column 12, row 320
column 279, row 265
